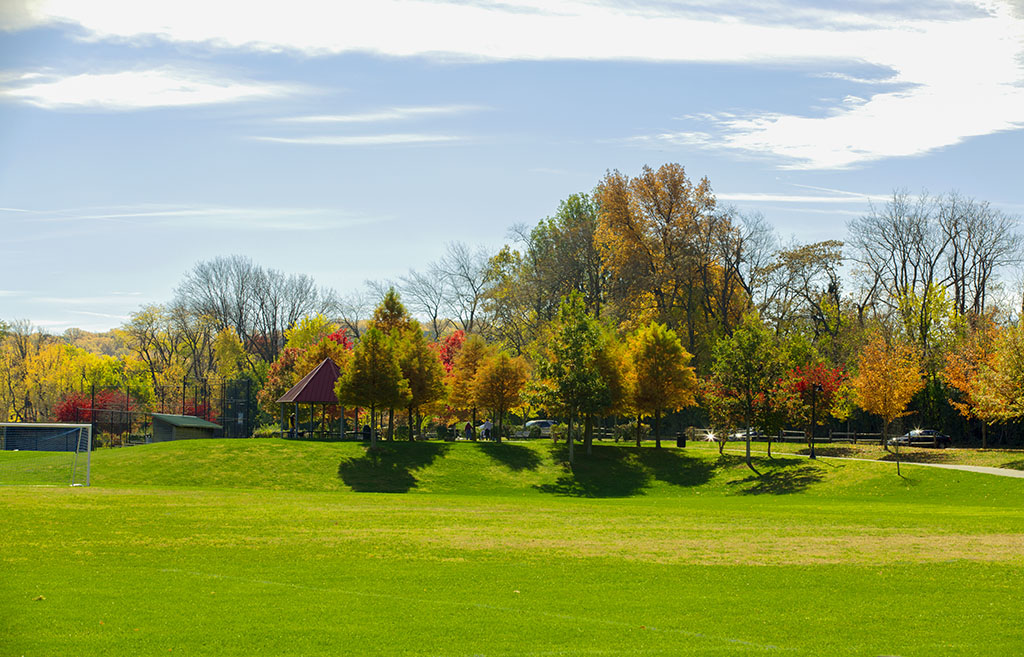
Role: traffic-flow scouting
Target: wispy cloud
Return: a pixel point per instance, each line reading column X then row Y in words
column 211, row 217
column 390, row 114
column 101, row 315
column 767, row 197
column 364, row 140
column 91, row 300
column 133, row 90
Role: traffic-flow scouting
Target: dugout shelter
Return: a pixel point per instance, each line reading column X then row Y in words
column 182, row 427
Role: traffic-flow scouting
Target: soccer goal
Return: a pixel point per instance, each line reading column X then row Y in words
column 45, row 454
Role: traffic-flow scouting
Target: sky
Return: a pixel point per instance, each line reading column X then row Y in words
column 353, row 140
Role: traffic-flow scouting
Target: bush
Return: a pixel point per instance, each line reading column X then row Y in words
column 627, row 432
column 267, row 431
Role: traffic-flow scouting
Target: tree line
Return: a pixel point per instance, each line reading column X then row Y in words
column 765, row 329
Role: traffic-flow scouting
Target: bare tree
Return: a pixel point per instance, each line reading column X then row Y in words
column 425, row 293
column 466, row 271
column 258, row 304
column 902, row 248
column 353, row 309
column 981, row 240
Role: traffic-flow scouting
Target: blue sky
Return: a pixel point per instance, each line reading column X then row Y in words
column 351, row 141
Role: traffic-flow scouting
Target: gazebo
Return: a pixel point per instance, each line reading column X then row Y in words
column 316, row 388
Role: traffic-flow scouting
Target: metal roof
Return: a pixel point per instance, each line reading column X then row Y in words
column 185, row 421
column 317, row 387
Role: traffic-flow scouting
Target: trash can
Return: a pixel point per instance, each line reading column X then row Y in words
column 681, row 439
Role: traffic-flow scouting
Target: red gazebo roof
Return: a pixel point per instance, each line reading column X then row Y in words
column 317, row 387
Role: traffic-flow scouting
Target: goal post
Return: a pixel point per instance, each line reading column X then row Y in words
column 43, row 453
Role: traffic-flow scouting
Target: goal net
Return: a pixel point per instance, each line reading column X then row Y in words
column 45, row 454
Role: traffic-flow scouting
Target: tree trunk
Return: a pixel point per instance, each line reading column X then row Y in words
column 391, row 424
column 750, row 463
column 657, row 429
column 637, row 430
column 501, row 419
column 984, row 436
column 568, row 438
column 588, row 432
column 474, row 424
column 373, row 428
column 411, row 436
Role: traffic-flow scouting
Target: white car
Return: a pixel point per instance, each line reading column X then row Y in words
column 544, row 426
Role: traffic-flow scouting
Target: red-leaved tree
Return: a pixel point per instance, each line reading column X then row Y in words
column 812, row 388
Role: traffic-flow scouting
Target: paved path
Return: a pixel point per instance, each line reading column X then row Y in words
column 984, row 469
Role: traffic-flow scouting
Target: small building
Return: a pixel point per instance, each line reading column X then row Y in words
column 181, row 427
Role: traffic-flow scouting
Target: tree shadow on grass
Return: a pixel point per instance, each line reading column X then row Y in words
column 608, row 472
column 389, row 468
column 673, row 467
column 785, row 476
column 513, row 457
column 828, row 450
column 1013, row 465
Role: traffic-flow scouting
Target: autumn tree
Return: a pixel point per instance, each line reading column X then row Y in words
column 498, row 385
column 422, row 368
column 963, row 372
column 461, row 398
column 664, row 380
column 999, row 387
column 672, row 254
column 615, row 368
column 309, row 330
column 812, row 394
column 888, row 376
column 373, row 378
column 449, row 348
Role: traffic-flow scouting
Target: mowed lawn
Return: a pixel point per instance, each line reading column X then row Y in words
column 270, row 547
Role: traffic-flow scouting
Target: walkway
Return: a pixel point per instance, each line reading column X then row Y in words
column 984, row 469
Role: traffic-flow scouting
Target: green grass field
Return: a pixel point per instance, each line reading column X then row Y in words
column 270, row 547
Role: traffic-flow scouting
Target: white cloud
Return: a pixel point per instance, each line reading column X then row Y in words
column 133, row 90
column 947, row 71
column 391, row 114
column 951, row 93
column 364, row 140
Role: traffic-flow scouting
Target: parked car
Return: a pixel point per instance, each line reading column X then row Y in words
column 543, row 425
column 923, row 438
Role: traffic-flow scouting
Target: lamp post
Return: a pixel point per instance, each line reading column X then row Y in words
column 815, row 389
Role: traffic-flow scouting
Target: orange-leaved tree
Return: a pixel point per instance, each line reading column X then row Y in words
column 498, row 385
column 888, row 376
column 965, row 371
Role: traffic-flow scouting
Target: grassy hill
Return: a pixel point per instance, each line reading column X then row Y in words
column 531, row 469
column 275, row 547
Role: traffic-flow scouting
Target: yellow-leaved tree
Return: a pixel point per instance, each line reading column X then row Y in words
column 888, row 376
column 664, row 380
